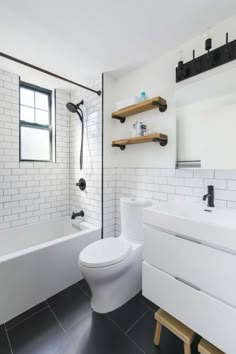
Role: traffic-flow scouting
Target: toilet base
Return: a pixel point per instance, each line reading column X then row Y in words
column 113, row 286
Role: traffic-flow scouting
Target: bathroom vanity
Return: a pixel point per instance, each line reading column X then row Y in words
column 189, row 267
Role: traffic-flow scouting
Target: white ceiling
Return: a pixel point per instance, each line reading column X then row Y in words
column 79, row 39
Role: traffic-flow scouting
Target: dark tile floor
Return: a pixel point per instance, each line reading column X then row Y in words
column 65, row 324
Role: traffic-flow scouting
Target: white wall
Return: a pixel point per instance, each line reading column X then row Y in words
column 30, row 191
column 147, row 170
column 156, row 78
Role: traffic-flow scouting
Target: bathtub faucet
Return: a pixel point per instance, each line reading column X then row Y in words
column 74, row 215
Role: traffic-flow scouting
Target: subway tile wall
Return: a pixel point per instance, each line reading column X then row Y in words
column 36, row 191
column 89, row 200
column 109, row 202
column 30, row 191
column 161, row 185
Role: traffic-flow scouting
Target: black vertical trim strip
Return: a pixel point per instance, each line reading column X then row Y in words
column 102, row 153
column 19, row 122
column 55, row 129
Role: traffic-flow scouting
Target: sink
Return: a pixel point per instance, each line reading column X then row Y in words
column 210, row 226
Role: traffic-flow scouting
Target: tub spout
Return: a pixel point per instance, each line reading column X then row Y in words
column 74, row 215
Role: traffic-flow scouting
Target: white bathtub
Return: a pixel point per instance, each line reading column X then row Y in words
column 39, row 260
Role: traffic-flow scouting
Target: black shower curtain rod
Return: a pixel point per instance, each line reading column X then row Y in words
column 47, row 72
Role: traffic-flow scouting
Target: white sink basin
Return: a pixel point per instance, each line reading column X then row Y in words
column 212, row 226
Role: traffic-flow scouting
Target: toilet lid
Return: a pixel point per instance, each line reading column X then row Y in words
column 105, row 252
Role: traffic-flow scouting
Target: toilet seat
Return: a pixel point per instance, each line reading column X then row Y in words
column 105, row 252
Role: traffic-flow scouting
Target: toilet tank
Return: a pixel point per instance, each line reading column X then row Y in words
column 132, row 217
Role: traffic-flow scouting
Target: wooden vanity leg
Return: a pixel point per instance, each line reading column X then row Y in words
column 187, row 348
column 157, row 334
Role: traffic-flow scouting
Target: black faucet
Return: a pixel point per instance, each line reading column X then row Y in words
column 210, row 196
column 74, row 215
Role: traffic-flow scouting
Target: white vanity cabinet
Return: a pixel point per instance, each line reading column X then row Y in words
column 188, row 276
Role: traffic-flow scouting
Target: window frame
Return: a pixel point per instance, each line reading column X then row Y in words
column 48, row 127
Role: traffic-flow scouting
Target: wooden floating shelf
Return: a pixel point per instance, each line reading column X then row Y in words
column 157, row 137
column 156, row 102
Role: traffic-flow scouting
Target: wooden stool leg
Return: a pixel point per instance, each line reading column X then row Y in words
column 157, row 334
column 187, row 348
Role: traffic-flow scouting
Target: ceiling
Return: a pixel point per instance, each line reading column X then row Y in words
column 80, row 39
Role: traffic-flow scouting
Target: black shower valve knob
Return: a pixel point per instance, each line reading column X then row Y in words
column 81, row 184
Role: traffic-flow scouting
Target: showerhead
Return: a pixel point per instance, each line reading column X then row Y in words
column 73, row 108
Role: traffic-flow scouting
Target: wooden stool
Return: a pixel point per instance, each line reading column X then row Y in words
column 205, row 347
column 176, row 327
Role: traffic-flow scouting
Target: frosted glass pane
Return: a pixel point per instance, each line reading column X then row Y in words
column 35, row 144
column 41, row 101
column 41, row 117
column 27, row 114
column 27, row 97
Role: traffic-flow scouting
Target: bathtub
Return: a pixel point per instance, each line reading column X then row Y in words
column 39, row 260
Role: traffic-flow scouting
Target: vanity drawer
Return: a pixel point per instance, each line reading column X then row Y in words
column 211, row 270
column 209, row 317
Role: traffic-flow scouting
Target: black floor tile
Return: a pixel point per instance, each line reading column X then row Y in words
column 153, row 307
column 85, row 287
column 143, row 332
column 26, row 314
column 97, row 334
column 69, row 306
column 4, row 345
column 128, row 314
column 40, row 334
column 81, row 283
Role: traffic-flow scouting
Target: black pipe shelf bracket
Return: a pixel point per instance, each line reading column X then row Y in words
column 122, row 147
column 160, row 141
column 121, row 119
column 162, row 107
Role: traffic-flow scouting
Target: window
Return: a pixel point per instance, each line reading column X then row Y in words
column 35, row 123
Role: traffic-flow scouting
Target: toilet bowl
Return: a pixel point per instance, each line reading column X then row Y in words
column 113, row 266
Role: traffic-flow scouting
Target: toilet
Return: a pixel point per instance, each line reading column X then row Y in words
column 113, row 266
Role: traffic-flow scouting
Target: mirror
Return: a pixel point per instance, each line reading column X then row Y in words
column 206, row 119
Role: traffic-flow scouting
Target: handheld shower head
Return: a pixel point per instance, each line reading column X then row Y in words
column 73, row 108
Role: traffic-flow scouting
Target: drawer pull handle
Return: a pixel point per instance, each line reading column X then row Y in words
column 188, row 283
